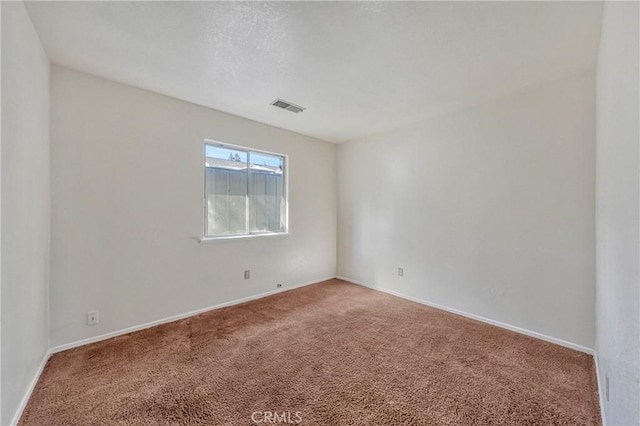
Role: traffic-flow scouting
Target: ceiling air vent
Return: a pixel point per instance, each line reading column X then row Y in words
column 287, row 105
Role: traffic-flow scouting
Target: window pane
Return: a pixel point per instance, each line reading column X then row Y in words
column 226, row 191
column 267, row 193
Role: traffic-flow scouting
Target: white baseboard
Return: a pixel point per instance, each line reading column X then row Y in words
column 601, row 389
column 94, row 339
column 32, row 386
column 476, row 317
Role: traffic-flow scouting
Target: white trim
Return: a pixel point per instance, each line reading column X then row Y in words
column 94, row 339
column 476, row 317
column 32, row 386
column 601, row 389
column 243, row 236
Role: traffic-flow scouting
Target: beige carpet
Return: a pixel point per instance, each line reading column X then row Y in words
column 328, row 354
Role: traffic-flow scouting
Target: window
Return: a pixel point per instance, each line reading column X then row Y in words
column 245, row 191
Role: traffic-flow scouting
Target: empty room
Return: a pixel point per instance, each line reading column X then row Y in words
column 320, row 213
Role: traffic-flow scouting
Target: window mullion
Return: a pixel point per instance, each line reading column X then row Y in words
column 247, row 209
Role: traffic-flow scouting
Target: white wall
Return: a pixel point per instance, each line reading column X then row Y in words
column 618, row 241
column 25, row 206
column 489, row 210
column 127, row 189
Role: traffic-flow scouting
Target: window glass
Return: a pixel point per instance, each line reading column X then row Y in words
column 266, row 196
column 226, row 191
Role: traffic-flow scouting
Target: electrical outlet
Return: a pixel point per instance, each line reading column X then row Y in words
column 606, row 386
column 278, row 285
column 247, row 274
column 93, row 317
column 401, row 272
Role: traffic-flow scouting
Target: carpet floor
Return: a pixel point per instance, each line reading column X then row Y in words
column 331, row 353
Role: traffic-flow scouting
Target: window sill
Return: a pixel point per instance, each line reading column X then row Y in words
column 242, row 237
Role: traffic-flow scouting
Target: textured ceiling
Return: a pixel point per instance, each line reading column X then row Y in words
column 359, row 67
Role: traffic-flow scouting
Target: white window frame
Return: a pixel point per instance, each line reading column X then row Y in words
column 248, row 234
